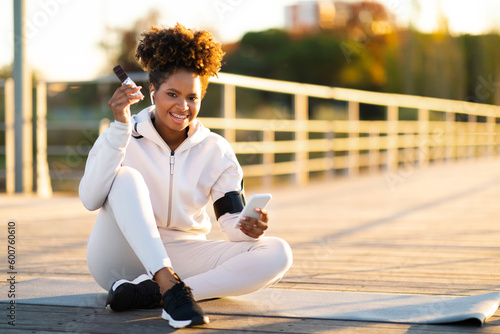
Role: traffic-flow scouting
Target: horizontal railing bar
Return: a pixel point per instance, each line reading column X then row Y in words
column 70, row 174
column 344, row 94
column 73, row 125
column 315, row 126
column 327, row 92
column 68, row 149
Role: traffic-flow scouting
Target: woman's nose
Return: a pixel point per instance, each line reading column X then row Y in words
column 183, row 105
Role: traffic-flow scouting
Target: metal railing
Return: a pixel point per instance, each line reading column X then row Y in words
column 463, row 130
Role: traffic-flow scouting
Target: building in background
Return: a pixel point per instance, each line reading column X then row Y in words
column 353, row 18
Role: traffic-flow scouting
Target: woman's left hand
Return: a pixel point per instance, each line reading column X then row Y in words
column 255, row 227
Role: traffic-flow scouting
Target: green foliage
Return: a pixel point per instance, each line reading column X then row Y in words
column 405, row 62
column 5, row 71
column 273, row 54
column 482, row 68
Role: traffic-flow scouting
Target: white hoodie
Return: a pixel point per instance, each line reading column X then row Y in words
column 180, row 182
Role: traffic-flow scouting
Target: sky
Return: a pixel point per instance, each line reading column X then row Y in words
column 63, row 36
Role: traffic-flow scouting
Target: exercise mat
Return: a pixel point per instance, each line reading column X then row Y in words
column 361, row 306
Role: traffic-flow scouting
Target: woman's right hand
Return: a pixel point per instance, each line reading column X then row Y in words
column 121, row 101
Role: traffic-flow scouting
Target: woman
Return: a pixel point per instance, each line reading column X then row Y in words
column 152, row 176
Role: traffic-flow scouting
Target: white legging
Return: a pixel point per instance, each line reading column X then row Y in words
column 126, row 243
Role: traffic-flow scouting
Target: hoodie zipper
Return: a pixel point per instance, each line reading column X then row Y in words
column 172, row 162
column 170, row 190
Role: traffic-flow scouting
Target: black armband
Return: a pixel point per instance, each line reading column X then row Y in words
column 231, row 202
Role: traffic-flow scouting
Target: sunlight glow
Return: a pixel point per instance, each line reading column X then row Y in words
column 64, row 36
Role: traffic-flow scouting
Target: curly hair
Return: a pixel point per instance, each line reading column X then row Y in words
column 163, row 50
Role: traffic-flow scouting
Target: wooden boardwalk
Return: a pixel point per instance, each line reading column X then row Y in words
column 427, row 231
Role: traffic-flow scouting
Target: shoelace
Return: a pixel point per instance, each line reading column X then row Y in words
column 146, row 296
column 181, row 294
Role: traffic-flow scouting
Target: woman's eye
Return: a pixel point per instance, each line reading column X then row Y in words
column 194, row 98
column 172, row 94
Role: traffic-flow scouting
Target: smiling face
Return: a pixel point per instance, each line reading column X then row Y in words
column 177, row 101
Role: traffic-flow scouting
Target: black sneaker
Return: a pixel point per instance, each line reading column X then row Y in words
column 180, row 309
column 142, row 292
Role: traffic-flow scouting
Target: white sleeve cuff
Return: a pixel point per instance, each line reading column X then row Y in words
column 119, row 134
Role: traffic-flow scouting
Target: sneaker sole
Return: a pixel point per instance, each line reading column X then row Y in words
column 136, row 281
column 200, row 320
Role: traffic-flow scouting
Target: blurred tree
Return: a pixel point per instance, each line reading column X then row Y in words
column 324, row 59
column 366, row 53
column 406, row 61
column 482, row 63
column 120, row 43
column 429, row 65
column 5, row 71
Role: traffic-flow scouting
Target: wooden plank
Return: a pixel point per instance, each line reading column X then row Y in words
column 56, row 319
column 429, row 231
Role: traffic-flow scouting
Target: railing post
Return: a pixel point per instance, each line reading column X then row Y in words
column 449, row 140
column 374, row 152
column 392, row 138
column 353, row 153
column 496, row 136
column 301, row 137
column 472, row 125
column 103, row 125
column 43, row 186
column 9, row 137
column 423, row 138
column 408, row 151
column 28, row 149
column 330, row 151
column 229, row 111
column 268, row 136
column 496, row 129
column 490, row 121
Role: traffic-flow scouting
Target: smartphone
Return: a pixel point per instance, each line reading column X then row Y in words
column 256, row 201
